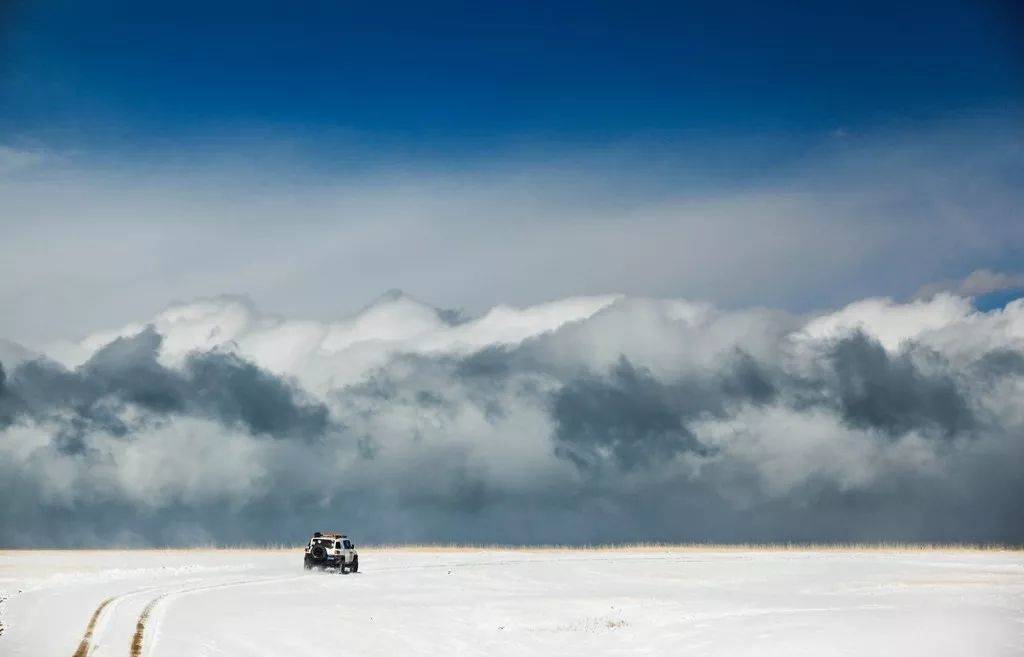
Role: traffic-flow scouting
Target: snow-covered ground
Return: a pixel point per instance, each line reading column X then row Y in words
column 508, row 602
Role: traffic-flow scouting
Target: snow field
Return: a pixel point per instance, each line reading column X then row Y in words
column 514, row 602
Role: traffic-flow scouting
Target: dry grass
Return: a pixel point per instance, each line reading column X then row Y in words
column 640, row 547
column 707, row 547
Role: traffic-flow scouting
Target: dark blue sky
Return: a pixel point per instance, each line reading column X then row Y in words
column 458, row 76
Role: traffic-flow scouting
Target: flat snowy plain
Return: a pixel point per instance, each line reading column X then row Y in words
column 626, row 601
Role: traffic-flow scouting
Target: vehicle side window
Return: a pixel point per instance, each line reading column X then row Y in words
column 337, row 546
column 348, row 544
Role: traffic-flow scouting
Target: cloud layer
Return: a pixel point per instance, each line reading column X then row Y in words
column 587, row 419
column 315, row 228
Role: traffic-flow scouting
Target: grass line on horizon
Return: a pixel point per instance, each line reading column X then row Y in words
column 554, row 547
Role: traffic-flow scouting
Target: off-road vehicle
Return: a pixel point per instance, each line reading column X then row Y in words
column 331, row 550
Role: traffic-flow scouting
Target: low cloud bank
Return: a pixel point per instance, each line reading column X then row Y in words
column 587, row 419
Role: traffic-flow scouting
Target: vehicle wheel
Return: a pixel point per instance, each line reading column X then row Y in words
column 355, row 565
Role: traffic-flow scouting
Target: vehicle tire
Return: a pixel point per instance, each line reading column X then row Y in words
column 354, row 568
column 317, row 556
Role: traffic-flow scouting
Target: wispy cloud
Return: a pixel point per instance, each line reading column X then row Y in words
column 867, row 215
column 14, row 159
column 979, row 282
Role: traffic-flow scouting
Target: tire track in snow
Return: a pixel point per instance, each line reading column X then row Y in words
column 85, row 645
column 140, row 626
column 138, row 644
column 138, row 639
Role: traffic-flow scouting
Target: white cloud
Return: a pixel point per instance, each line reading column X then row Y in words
column 323, row 355
column 891, row 323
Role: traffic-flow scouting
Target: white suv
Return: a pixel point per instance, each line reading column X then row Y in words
column 331, row 550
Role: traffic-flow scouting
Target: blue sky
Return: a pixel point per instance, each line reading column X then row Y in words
column 456, row 77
